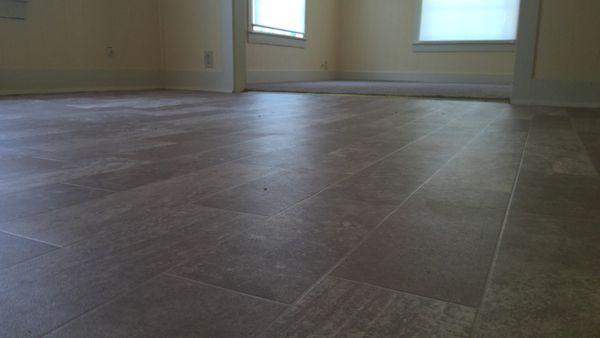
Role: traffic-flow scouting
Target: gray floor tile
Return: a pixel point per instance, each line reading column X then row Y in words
column 144, row 206
column 272, row 194
column 440, row 244
column 482, row 171
column 342, row 308
column 320, row 174
column 48, row 291
column 559, row 195
column 171, row 307
column 545, row 281
column 14, row 250
column 265, row 259
column 36, row 200
column 335, row 223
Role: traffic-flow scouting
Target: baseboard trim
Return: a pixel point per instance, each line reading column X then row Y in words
column 262, row 76
column 558, row 93
column 42, row 81
column 428, row 77
column 196, row 80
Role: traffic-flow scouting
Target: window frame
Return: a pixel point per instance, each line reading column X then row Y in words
column 262, row 38
column 13, row 9
column 451, row 46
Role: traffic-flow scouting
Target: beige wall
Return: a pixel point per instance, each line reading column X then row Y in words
column 569, row 41
column 371, row 36
column 61, row 46
column 351, row 35
column 73, row 34
column 322, row 34
column 377, row 36
column 189, row 27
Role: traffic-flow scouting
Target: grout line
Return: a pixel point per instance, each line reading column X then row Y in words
column 52, row 249
column 86, row 187
column 172, row 275
column 374, row 230
column 220, row 164
column 488, row 282
column 401, row 291
column 240, row 213
column 238, row 292
column 122, row 294
column 349, row 176
column 50, row 159
column 117, row 297
column 31, row 239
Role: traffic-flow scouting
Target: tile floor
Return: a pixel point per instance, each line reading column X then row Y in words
column 166, row 213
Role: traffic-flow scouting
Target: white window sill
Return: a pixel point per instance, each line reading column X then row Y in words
column 275, row 40
column 463, row 46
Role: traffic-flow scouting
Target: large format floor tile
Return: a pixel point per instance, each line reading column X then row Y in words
column 179, row 213
column 45, row 198
column 50, row 290
column 173, row 200
column 272, row 194
column 280, row 258
column 343, row 308
column 171, row 307
column 265, row 260
column 14, row 250
column 545, row 281
column 440, row 244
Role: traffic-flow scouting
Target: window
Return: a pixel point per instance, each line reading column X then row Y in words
column 13, row 9
column 277, row 20
column 469, row 21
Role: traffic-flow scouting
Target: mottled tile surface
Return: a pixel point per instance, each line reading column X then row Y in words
column 45, row 198
column 14, row 250
column 269, row 195
column 176, row 213
column 171, row 307
column 343, row 308
column 264, row 259
column 546, row 282
column 440, row 244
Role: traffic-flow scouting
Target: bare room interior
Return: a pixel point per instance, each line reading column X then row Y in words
column 299, row 168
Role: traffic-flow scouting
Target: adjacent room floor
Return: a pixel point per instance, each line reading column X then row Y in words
column 167, row 213
column 388, row 88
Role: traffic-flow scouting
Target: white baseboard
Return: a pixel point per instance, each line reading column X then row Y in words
column 540, row 92
column 558, row 93
column 262, row 76
column 213, row 81
column 28, row 81
column 428, row 77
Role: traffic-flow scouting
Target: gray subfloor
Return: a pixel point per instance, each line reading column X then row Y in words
column 417, row 89
column 166, row 213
